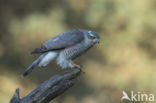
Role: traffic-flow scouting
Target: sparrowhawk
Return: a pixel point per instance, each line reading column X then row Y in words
column 64, row 47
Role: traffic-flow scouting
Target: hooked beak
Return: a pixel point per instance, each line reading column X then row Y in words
column 98, row 41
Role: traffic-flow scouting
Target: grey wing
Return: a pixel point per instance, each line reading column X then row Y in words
column 61, row 41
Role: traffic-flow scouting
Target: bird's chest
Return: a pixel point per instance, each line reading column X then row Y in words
column 76, row 50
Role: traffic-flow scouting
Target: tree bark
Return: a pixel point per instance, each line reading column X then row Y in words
column 49, row 89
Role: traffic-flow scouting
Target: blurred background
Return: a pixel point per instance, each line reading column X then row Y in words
column 124, row 60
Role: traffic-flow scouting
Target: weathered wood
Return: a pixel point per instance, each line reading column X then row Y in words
column 49, row 89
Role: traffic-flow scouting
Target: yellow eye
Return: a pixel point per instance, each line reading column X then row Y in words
column 93, row 37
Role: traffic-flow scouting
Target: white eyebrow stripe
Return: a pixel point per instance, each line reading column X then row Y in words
column 90, row 33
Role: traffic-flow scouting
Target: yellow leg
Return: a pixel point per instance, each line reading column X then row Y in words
column 79, row 67
column 76, row 66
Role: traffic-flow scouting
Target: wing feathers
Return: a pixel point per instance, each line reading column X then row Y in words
column 42, row 49
column 61, row 41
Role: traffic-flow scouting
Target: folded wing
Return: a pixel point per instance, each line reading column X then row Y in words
column 61, row 41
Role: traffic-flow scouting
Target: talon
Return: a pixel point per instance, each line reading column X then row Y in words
column 76, row 66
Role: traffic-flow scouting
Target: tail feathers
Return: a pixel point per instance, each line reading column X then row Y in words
column 30, row 68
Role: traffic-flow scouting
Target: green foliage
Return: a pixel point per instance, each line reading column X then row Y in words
column 124, row 60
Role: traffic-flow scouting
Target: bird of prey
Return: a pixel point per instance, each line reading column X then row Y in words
column 64, row 47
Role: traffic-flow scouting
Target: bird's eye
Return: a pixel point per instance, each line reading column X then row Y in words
column 93, row 37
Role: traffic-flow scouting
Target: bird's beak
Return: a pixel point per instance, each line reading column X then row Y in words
column 98, row 41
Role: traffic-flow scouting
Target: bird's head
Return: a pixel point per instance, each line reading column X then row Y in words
column 93, row 37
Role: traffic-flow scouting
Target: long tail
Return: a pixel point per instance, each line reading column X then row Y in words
column 31, row 67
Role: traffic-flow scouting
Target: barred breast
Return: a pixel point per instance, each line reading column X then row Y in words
column 76, row 50
column 68, row 54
